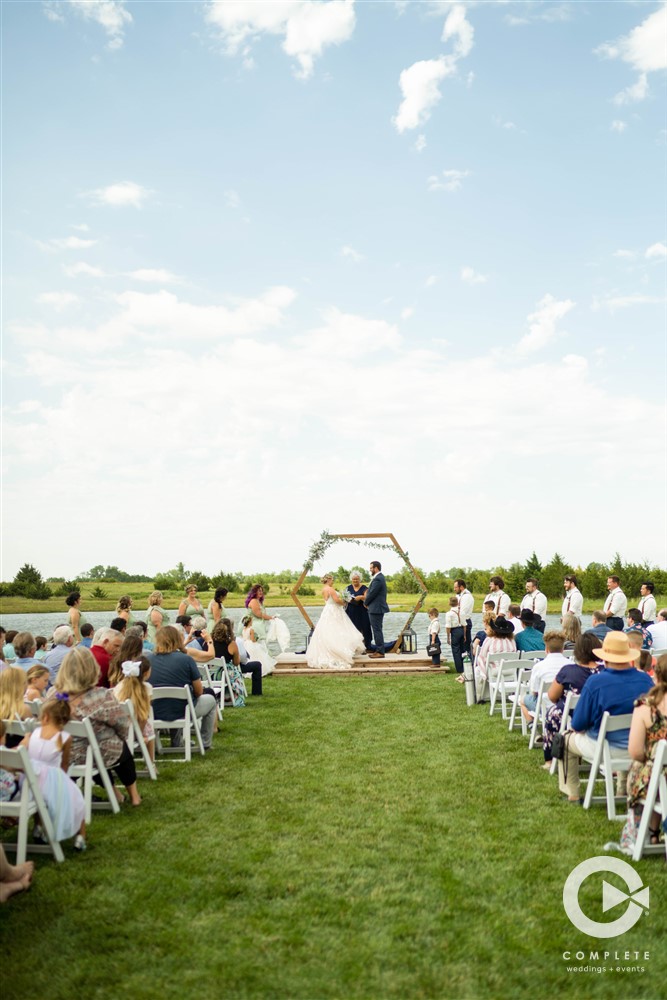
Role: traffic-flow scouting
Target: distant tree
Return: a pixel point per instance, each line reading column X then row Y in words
column 403, row 583
column 515, row 581
column 66, row 587
column 533, row 567
column 229, row 581
column 98, row 594
column 28, row 582
column 438, row 582
column 96, row 573
column 551, row 577
column 164, row 581
column 593, row 581
column 199, row 580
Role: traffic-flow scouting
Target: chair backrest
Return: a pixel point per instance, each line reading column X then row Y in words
column 34, row 707
column 173, row 693
column 28, row 802
column 612, row 723
column 532, row 654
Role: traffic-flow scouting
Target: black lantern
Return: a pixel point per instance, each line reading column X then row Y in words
column 409, row 641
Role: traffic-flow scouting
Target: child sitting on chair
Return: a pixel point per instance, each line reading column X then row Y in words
column 134, row 687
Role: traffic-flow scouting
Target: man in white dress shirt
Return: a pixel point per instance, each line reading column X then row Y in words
column 501, row 600
column 647, row 604
column 466, row 607
column 574, row 601
column 536, row 602
column 658, row 631
column 616, row 604
column 514, row 616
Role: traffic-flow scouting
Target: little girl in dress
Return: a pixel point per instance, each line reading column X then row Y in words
column 134, row 687
column 49, row 750
column 256, row 650
column 38, row 681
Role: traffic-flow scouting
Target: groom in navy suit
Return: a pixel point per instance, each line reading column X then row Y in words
column 376, row 604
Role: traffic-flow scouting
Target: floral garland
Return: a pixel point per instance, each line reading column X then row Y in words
column 326, row 540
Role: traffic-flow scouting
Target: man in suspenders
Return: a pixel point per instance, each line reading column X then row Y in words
column 466, row 607
column 536, row 602
column 616, row 604
column 647, row 605
column 574, row 601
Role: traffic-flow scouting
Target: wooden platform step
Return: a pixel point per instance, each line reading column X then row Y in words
column 294, row 664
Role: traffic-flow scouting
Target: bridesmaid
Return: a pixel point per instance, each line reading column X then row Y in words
column 74, row 617
column 356, row 610
column 215, row 611
column 156, row 616
column 191, row 605
column 124, row 610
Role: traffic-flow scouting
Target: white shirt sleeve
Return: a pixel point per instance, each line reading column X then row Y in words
column 503, row 605
column 541, row 605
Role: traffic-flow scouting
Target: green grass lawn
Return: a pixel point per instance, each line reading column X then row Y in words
column 348, row 837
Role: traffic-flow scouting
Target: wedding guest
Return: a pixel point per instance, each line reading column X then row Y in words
column 87, row 633
column 40, row 648
column 487, row 616
column 545, row 669
column 78, row 678
column 658, row 630
column 63, row 640
column 571, row 629
column 191, row 605
column 215, row 611
column 118, row 625
column 529, row 638
column 633, row 624
column 25, row 648
column 227, row 648
column 599, row 626
column 131, row 648
column 570, row 677
column 514, row 616
column 156, row 616
column 13, row 683
column 141, row 629
column 499, row 639
column 106, row 643
column 133, row 686
column 74, row 617
column 171, row 666
column 38, row 681
column 8, row 651
column 355, row 609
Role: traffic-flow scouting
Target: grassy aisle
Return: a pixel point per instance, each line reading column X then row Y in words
column 348, row 837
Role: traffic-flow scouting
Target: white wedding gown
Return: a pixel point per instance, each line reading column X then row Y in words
column 335, row 639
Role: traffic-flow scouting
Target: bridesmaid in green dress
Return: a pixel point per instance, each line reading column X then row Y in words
column 191, row 605
column 74, row 617
column 254, row 602
column 156, row 616
column 215, row 611
column 124, row 610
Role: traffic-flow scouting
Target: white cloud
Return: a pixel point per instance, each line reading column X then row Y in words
column 72, row 243
column 543, row 323
column 431, row 281
column 613, row 302
column 618, row 126
column 450, row 180
column 111, row 15
column 121, row 194
column 625, row 254
column 656, row 250
column 420, row 143
column 419, row 86
column 81, row 228
column 472, row 277
column 158, row 275
column 74, row 270
column 351, row 254
column 457, row 27
column 232, row 199
column 59, row 300
column 644, row 47
column 635, row 92
column 407, row 312
column 307, row 28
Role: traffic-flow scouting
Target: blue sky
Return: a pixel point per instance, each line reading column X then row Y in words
column 271, row 268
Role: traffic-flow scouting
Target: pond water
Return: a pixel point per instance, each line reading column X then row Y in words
column 44, row 624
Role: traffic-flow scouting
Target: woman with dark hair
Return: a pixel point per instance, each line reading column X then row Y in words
column 191, row 605
column 570, row 677
column 215, row 611
column 226, row 648
column 254, row 602
column 74, row 617
column 124, row 609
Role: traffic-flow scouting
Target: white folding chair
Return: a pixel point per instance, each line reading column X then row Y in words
column 34, row 707
column 493, row 661
column 183, row 724
column 504, row 683
column 571, row 700
column 656, row 800
column 92, row 767
column 522, row 686
column 135, row 739
column 216, row 686
column 28, row 802
column 220, row 664
column 541, row 707
column 532, row 654
column 604, row 764
column 657, row 652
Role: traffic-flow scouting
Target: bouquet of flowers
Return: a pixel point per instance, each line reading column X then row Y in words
column 345, row 596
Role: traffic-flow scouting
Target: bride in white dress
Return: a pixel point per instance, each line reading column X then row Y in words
column 335, row 639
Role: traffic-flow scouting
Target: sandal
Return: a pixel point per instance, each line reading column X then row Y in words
column 460, row 679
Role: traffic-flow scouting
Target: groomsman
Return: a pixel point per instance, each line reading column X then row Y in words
column 574, row 601
column 375, row 601
column 501, row 600
column 616, row 604
column 536, row 602
column 466, row 608
column 647, row 605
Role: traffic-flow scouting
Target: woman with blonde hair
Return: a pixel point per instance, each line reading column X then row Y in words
column 124, row 609
column 13, row 682
column 335, row 640
column 77, row 678
column 133, row 686
column 571, row 629
column 38, row 681
column 156, row 616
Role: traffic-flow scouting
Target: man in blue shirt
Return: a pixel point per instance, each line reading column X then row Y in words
column 529, row 637
column 613, row 690
column 600, row 627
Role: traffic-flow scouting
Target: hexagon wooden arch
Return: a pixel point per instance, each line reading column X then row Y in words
column 404, row 557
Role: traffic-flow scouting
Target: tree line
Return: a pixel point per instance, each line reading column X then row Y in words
column 29, row 583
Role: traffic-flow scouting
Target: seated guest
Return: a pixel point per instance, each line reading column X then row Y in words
column 633, row 624
column 227, row 648
column 545, row 669
column 40, row 650
column 479, row 637
column 649, row 725
column 514, row 616
column 130, row 650
column 499, row 639
column 63, row 640
column 8, row 651
column 571, row 629
column 25, row 648
column 118, row 625
column 78, row 678
column 38, row 681
column 171, row 666
column 613, row 690
column 195, row 637
column 141, row 629
column 599, row 627
column 658, row 631
column 106, row 643
column 570, row 677
column 529, row 638
column 87, row 633
column 13, row 683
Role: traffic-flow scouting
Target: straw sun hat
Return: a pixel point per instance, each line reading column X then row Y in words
column 616, row 649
